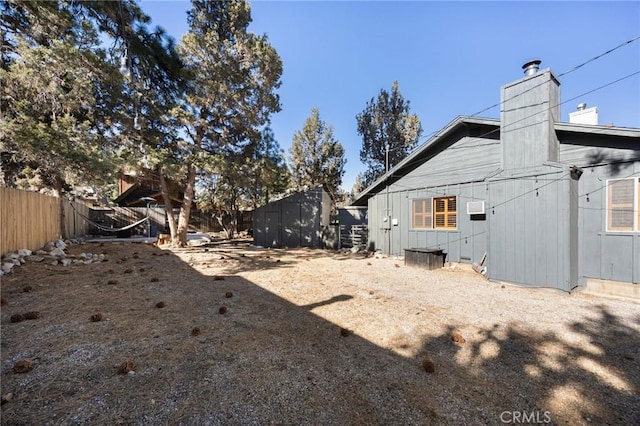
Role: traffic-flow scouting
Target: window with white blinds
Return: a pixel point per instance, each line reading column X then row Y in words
column 623, row 197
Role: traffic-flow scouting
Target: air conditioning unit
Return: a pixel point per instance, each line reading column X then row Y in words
column 475, row 207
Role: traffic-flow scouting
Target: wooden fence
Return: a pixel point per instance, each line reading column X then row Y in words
column 29, row 219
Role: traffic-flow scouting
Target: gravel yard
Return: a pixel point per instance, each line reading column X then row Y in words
column 233, row 334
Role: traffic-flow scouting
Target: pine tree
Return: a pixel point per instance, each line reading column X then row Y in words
column 316, row 157
column 269, row 173
column 232, row 76
column 386, row 121
column 67, row 111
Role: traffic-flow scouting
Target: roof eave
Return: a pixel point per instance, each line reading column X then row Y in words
column 428, row 144
column 598, row 129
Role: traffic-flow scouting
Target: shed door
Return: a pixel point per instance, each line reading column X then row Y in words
column 272, row 231
column 291, row 224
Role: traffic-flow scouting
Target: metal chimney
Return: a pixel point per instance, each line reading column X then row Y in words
column 531, row 67
column 581, row 106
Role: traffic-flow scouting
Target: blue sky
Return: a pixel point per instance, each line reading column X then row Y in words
column 449, row 58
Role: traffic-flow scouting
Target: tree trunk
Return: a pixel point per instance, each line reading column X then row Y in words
column 185, row 210
column 168, row 207
column 57, row 192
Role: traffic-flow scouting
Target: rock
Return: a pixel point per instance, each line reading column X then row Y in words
column 7, row 267
column 96, row 317
column 54, row 263
column 222, row 310
column 66, row 262
column 34, row 258
column 61, row 244
column 41, row 252
column 57, row 252
column 195, row 331
column 7, row 397
column 24, row 252
column 355, row 249
column 23, row 366
column 344, row 332
column 228, row 294
column 49, row 246
column 10, row 257
column 160, row 305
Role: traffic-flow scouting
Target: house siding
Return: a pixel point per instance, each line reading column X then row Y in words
column 604, row 255
column 459, row 170
column 533, row 239
column 545, row 222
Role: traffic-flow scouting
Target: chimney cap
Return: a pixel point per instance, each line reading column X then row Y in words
column 582, row 106
column 531, row 67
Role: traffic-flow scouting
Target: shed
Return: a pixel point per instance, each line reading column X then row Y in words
column 297, row 220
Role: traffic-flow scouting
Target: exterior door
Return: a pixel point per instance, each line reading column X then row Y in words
column 272, row 221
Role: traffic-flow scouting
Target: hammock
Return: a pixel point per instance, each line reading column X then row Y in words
column 107, row 229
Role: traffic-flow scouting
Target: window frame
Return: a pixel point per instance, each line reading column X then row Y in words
column 635, row 227
column 425, row 201
column 446, row 214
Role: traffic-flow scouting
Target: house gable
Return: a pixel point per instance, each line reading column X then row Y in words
column 468, row 134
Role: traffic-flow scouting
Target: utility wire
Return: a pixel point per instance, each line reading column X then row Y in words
column 500, row 128
column 433, row 134
column 562, row 74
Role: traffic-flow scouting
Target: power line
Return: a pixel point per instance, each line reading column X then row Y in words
column 500, row 128
column 562, row 74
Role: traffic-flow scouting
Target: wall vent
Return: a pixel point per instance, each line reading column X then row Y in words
column 475, row 207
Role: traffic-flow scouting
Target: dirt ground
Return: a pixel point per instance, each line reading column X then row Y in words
column 233, row 334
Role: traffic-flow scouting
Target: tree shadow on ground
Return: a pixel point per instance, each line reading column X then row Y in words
column 592, row 377
column 266, row 360
column 263, row 360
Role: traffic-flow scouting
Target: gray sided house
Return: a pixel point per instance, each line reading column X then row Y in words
column 551, row 204
column 298, row 220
